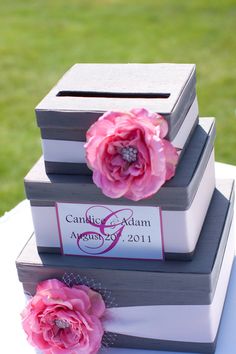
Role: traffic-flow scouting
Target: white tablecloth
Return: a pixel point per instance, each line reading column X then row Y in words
column 16, row 227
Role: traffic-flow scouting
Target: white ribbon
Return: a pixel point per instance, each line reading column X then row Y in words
column 74, row 152
column 188, row 323
column 176, row 323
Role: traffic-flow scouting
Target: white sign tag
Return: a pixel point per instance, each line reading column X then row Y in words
column 116, row 231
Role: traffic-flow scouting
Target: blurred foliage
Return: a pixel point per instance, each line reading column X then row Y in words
column 41, row 39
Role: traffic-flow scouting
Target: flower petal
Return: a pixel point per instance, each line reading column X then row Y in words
column 143, row 173
column 79, row 307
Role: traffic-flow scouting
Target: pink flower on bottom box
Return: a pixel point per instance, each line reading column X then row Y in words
column 64, row 320
column 129, row 155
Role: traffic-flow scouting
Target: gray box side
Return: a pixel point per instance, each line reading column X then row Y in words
column 123, row 341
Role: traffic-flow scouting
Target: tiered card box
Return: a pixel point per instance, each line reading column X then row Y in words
column 161, row 264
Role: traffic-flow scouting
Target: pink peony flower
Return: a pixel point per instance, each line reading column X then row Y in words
column 63, row 320
column 129, row 155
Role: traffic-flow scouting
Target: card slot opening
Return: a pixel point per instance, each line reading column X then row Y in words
column 93, row 94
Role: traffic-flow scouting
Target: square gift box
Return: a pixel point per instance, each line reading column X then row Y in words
column 87, row 91
column 69, row 210
column 168, row 305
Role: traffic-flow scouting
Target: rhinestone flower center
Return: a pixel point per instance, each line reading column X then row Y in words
column 62, row 323
column 129, row 154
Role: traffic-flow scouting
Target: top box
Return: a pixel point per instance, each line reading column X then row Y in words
column 86, row 91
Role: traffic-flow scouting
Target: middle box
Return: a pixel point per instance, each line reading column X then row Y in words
column 72, row 216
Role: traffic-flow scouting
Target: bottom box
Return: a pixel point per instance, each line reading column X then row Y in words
column 166, row 305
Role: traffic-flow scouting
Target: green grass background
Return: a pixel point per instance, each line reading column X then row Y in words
column 41, row 39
